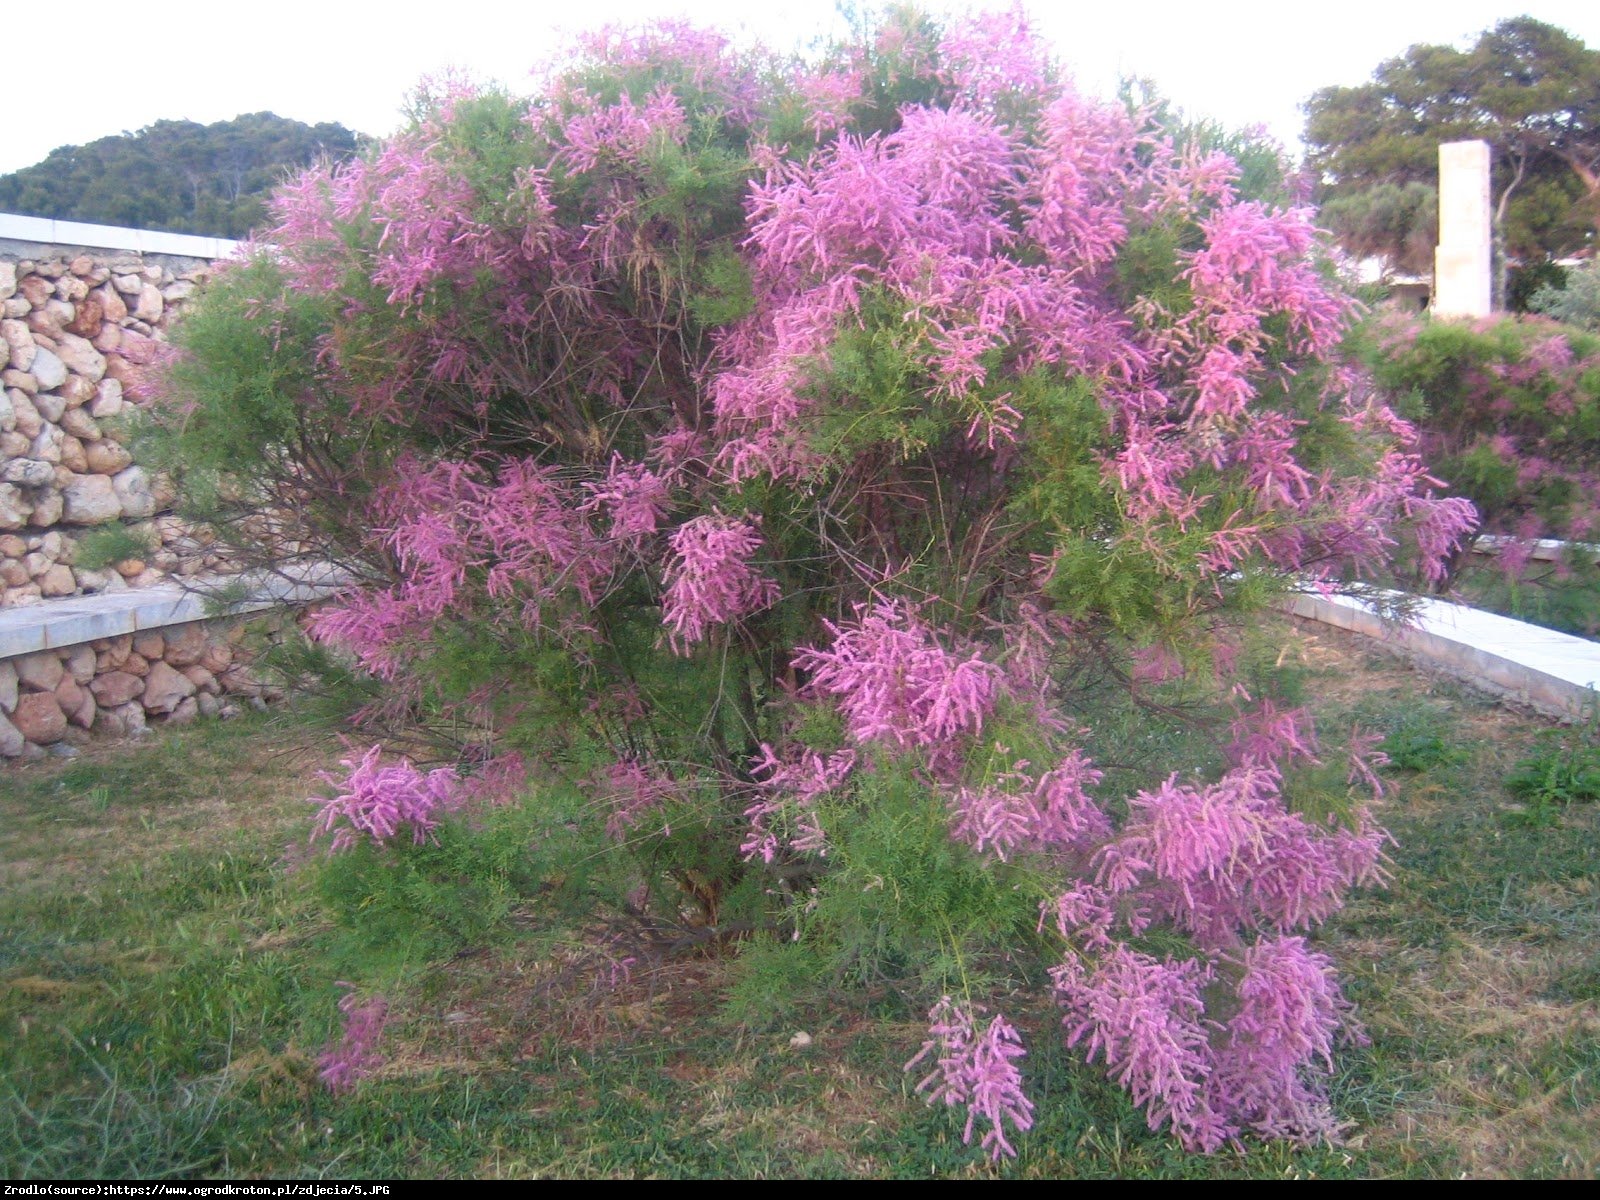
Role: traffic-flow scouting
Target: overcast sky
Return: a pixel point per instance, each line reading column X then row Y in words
column 352, row 61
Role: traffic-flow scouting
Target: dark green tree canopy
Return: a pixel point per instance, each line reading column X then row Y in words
column 1397, row 222
column 179, row 176
column 1529, row 89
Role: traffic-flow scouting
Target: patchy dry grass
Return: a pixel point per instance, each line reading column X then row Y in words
column 167, row 979
column 1477, row 970
column 191, row 791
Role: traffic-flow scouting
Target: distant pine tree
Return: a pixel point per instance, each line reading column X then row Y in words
column 179, row 176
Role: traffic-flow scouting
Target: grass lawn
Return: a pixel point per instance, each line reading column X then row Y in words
column 169, row 972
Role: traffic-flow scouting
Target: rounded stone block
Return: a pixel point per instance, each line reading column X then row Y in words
column 39, row 718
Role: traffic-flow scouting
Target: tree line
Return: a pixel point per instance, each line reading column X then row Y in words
column 178, row 176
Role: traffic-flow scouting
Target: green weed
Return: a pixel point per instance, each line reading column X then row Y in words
column 1420, row 738
column 1563, row 769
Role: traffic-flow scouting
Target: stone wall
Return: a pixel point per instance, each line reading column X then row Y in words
column 114, row 664
column 119, row 686
column 82, row 312
column 78, row 327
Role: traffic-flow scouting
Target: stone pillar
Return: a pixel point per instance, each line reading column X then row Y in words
column 1462, row 274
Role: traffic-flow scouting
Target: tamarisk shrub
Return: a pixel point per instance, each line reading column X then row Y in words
column 1509, row 414
column 771, row 447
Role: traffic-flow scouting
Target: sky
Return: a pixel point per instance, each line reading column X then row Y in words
column 1244, row 63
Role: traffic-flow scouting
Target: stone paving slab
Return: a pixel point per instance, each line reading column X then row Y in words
column 75, row 619
column 1556, row 673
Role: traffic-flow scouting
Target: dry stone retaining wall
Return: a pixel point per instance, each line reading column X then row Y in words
column 115, row 664
column 120, row 685
column 76, row 328
column 82, row 312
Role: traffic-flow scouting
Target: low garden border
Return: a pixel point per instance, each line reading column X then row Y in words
column 113, row 663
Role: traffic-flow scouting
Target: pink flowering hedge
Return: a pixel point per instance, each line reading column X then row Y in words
column 1509, row 413
column 770, row 448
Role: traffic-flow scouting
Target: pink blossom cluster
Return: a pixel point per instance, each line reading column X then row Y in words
column 528, row 535
column 539, row 542
column 1229, row 856
column 625, row 130
column 421, row 211
column 696, row 60
column 710, row 579
column 1363, row 759
column 429, row 233
column 1018, row 813
column 1231, row 1039
column 497, row 781
column 1090, row 169
column 1156, row 663
column 926, row 213
column 894, row 683
column 929, row 213
column 354, row 1057
column 375, row 626
column 977, row 1071
column 993, row 59
column 1269, row 734
column 380, row 802
column 828, row 96
column 1220, row 862
column 1147, row 1019
column 632, row 790
column 1234, row 1037
column 459, row 536
column 785, row 818
column 1359, row 529
column 633, row 496
column 1290, row 1012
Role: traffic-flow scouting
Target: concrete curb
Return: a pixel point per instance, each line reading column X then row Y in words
column 1554, row 673
column 71, row 621
column 1539, row 550
column 46, row 231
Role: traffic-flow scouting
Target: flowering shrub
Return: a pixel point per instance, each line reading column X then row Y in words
column 1575, row 302
column 771, row 448
column 1509, row 413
